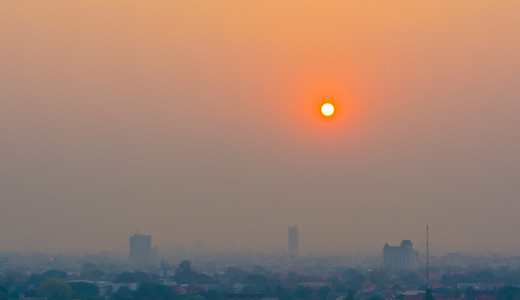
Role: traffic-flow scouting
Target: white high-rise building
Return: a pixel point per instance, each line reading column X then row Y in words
column 293, row 241
column 400, row 258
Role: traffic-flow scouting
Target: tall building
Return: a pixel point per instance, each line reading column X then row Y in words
column 400, row 258
column 293, row 241
column 140, row 248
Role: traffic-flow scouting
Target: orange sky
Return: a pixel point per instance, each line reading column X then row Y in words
column 200, row 122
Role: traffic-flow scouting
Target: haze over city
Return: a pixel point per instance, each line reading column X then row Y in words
column 201, row 123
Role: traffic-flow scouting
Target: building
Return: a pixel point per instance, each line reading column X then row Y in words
column 400, row 258
column 141, row 248
column 293, row 241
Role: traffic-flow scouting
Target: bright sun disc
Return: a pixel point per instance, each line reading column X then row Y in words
column 327, row 109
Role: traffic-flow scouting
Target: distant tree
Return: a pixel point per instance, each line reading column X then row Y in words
column 124, row 293
column 184, row 267
column 323, row 292
column 512, row 277
column 353, row 279
column 11, row 276
column 259, row 281
column 92, row 274
column 350, row 273
column 235, row 274
column 379, row 277
column 127, row 277
column 89, row 266
column 411, row 278
column 334, row 280
column 213, row 295
column 54, row 289
column 83, row 290
column 201, row 278
column 249, row 289
column 15, row 283
column 184, row 273
column 274, row 282
column 508, row 293
column 485, row 276
column 292, row 279
column 55, row 274
column 4, row 293
column 428, row 294
column 259, row 269
column 303, row 292
column 154, row 291
column 283, row 294
column 350, row 295
column 31, row 293
column 339, row 288
column 36, row 280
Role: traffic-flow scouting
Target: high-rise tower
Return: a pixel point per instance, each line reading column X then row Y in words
column 293, row 241
column 141, row 248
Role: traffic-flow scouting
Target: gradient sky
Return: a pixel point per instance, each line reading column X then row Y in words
column 199, row 122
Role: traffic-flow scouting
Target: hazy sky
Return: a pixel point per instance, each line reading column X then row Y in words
column 199, row 122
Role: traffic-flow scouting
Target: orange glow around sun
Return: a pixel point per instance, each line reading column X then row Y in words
column 327, row 109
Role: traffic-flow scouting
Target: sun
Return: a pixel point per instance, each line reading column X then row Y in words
column 327, row 109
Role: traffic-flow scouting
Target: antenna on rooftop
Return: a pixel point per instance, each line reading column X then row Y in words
column 427, row 258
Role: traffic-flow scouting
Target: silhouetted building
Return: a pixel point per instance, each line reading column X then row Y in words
column 293, row 241
column 140, row 248
column 400, row 258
